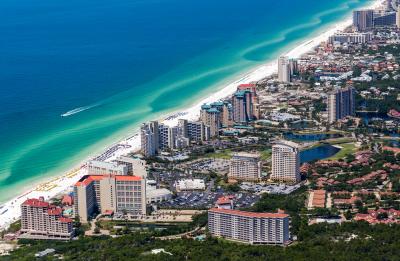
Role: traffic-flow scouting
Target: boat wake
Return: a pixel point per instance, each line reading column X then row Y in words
column 77, row 110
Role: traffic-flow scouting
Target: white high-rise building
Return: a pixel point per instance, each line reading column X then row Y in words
column 249, row 227
column 285, row 162
column 245, row 166
column 284, row 69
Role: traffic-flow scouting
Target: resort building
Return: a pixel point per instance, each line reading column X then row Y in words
column 398, row 17
column 134, row 167
column 242, row 105
column 285, row 162
column 245, row 166
column 284, row 69
column 210, row 116
column 41, row 220
column 249, row 227
column 194, row 131
column 385, row 20
column 227, row 115
column 363, row 20
column 350, row 38
column 341, row 103
column 109, row 194
column 149, row 139
column 95, row 167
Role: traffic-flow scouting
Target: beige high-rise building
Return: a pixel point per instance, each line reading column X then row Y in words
column 341, row 103
column 40, row 220
column 210, row 116
column 249, row 227
column 109, row 194
column 285, row 162
column 283, row 69
column 245, row 166
column 398, row 17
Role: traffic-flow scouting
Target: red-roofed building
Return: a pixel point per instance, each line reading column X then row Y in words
column 109, row 192
column 382, row 216
column 40, row 220
column 249, row 227
column 67, row 200
column 225, row 202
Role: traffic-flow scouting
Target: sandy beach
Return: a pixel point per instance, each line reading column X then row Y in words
column 10, row 211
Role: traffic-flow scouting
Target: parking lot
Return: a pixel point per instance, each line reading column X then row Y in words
column 206, row 200
column 269, row 188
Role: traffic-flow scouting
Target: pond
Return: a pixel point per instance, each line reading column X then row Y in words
column 310, row 136
column 318, row 153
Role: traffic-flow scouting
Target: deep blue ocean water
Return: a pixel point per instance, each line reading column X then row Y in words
column 126, row 61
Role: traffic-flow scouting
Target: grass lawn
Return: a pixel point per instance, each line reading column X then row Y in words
column 225, row 154
column 347, row 148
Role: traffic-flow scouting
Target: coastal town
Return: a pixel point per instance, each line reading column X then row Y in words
column 316, row 143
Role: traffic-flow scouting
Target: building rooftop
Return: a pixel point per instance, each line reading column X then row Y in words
column 287, row 143
column 246, row 155
column 34, row 202
column 86, row 180
column 249, row 214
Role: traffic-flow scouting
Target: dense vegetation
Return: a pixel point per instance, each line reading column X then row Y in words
column 350, row 241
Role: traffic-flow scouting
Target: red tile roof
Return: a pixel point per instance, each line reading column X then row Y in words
column 34, row 202
column 54, row 211
column 89, row 179
column 249, row 214
column 128, row 178
column 224, row 200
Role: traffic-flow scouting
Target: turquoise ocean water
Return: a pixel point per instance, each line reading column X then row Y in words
column 123, row 62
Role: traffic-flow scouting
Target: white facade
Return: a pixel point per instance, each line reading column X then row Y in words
column 249, row 227
column 350, row 38
column 283, row 69
column 285, row 162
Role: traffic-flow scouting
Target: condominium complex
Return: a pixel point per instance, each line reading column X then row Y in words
column 95, row 167
column 385, row 20
column 341, row 103
column 249, row 227
column 149, row 139
column 363, row 20
column 109, row 193
column 242, row 105
column 285, row 162
column 194, row 131
column 156, row 137
column 350, row 38
column 245, row 166
column 398, row 17
column 210, row 115
column 283, row 69
column 41, row 220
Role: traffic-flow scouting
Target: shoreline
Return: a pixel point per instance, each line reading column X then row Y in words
column 52, row 186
